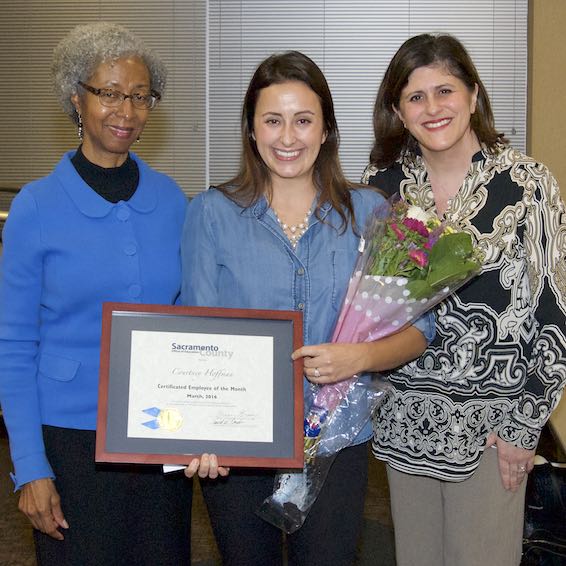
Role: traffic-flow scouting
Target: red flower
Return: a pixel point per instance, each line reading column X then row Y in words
column 420, row 257
column 398, row 232
column 416, row 226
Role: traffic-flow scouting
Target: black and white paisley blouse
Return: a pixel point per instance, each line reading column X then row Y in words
column 498, row 362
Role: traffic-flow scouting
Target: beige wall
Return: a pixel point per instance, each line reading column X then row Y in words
column 547, row 113
column 547, row 86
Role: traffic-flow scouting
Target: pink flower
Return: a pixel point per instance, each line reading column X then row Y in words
column 398, row 232
column 416, row 226
column 420, row 257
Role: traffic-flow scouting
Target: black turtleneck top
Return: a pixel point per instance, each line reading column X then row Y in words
column 114, row 183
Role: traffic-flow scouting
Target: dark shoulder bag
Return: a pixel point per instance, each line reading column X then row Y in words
column 544, row 536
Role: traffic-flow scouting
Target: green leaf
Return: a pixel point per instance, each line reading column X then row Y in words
column 420, row 289
column 451, row 260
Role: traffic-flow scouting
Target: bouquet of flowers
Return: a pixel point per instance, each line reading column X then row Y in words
column 409, row 261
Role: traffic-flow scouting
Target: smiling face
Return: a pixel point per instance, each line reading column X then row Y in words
column 108, row 133
column 289, row 130
column 436, row 108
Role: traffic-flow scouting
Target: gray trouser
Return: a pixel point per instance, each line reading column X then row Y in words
column 471, row 523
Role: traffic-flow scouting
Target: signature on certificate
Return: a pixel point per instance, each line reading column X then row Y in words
column 243, row 417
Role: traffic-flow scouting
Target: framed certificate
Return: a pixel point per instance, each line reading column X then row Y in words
column 179, row 381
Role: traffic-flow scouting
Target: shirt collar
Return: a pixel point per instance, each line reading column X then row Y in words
column 91, row 204
column 416, row 160
column 261, row 207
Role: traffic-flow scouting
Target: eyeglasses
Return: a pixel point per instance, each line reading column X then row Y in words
column 114, row 98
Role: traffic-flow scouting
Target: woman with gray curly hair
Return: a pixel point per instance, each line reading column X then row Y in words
column 102, row 226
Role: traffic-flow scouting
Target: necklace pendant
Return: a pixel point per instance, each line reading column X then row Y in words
column 296, row 231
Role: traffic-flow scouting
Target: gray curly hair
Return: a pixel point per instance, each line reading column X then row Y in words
column 78, row 54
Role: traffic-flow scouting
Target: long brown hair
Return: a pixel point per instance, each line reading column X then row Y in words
column 391, row 139
column 254, row 179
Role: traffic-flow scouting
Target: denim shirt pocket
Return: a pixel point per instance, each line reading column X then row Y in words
column 341, row 272
column 57, row 367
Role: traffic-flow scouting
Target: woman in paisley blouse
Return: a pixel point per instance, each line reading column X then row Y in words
column 460, row 427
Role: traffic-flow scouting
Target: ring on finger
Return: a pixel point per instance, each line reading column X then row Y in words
column 316, row 372
column 522, row 469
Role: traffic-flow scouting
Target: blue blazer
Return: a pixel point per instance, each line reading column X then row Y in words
column 66, row 251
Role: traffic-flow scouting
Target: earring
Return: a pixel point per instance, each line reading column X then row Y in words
column 80, row 126
column 138, row 139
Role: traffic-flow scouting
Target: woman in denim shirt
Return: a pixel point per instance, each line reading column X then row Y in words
column 283, row 234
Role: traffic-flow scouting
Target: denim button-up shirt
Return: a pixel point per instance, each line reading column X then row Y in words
column 240, row 258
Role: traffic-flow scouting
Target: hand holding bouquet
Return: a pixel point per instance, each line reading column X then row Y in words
column 409, row 262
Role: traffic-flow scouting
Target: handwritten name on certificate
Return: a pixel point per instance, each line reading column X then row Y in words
column 193, row 386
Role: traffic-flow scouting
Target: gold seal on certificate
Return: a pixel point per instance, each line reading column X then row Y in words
column 170, row 420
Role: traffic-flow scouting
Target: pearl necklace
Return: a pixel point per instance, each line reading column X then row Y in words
column 295, row 232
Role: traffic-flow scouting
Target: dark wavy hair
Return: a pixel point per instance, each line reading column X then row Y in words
column 391, row 139
column 254, row 178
